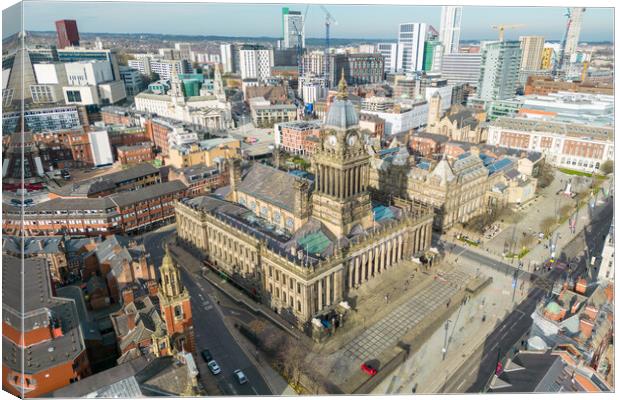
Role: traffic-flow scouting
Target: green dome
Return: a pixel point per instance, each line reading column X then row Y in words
column 553, row 308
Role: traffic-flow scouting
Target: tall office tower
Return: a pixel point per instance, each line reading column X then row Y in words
column 389, row 51
column 450, row 28
column 292, row 28
column 572, row 35
column 185, row 50
column 410, row 56
column 460, row 68
column 67, row 33
column 532, row 52
column 499, row 70
column 359, row 68
column 255, row 62
column 227, row 57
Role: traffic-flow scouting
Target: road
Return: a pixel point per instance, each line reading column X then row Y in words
column 209, row 328
column 474, row 374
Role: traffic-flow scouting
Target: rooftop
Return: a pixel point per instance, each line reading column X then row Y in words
column 562, row 128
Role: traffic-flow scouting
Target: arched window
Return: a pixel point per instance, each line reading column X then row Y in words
column 178, row 312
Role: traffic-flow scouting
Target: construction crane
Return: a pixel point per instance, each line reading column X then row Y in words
column 328, row 21
column 584, row 71
column 502, row 27
column 299, row 33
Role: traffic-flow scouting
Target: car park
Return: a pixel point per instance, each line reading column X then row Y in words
column 214, row 367
column 241, row 378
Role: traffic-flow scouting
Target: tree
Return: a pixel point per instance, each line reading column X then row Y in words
column 545, row 175
column 565, row 210
column 607, row 167
column 153, row 77
column 546, row 225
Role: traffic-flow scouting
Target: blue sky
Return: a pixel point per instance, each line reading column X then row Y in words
column 363, row 21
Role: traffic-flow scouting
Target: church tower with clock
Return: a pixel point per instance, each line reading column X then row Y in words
column 341, row 200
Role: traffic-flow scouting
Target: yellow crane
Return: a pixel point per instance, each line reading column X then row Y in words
column 502, row 27
column 584, row 71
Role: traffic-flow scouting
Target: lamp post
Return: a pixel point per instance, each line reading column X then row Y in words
column 444, row 350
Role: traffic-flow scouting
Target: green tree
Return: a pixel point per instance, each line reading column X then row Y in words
column 546, row 225
column 607, row 167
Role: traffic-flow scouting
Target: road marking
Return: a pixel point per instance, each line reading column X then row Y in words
column 254, row 390
column 232, row 389
column 462, row 383
column 207, row 308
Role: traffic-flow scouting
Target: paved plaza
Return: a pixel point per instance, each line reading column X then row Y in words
column 388, row 331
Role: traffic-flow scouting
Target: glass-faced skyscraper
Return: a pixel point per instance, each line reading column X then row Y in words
column 499, row 70
column 450, row 28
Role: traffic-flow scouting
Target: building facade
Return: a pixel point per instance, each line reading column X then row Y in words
column 532, row 52
column 459, row 68
column 359, row 68
column 499, row 71
column 410, row 55
column 450, row 28
column 298, row 271
column 565, row 145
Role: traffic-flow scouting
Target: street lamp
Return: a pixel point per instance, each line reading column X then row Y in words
column 444, row 350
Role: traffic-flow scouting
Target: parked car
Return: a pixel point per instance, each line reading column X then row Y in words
column 214, row 367
column 206, row 355
column 369, row 370
column 241, row 378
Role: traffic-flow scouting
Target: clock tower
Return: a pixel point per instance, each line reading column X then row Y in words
column 340, row 199
column 174, row 303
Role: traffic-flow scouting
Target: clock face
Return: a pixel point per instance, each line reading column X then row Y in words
column 351, row 140
column 331, row 140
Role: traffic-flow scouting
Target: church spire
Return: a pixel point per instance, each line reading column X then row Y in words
column 342, row 87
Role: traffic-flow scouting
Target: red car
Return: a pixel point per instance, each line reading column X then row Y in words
column 369, row 370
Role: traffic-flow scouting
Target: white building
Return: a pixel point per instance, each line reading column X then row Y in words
column 83, row 95
column 366, row 48
column 606, row 269
column 313, row 89
column 100, row 147
column 314, row 63
column 91, row 72
column 227, row 57
column 565, row 145
column 460, row 68
column 50, row 73
column 410, row 54
column 292, row 29
column 389, row 51
column 111, row 92
column 444, row 91
column 450, row 28
column 403, row 119
column 255, row 62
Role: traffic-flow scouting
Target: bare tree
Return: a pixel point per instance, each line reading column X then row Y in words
column 546, row 225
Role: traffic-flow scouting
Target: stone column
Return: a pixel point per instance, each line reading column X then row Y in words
column 328, row 287
column 377, row 257
column 350, row 277
column 383, row 255
column 365, row 259
column 356, row 277
column 429, row 229
column 320, row 294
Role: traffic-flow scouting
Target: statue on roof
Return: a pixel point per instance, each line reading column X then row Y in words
column 342, row 87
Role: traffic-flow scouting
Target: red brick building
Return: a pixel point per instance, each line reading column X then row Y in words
column 42, row 344
column 298, row 137
column 427, row 144
column 373, row 123
column 135, row 154
column 127, row 212
column 201, row 179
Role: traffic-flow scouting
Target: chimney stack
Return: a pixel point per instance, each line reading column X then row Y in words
column 127, row 295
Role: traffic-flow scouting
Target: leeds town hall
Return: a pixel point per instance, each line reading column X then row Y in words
column 303, row 246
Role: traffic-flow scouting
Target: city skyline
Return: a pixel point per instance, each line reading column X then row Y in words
column 215, row 19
